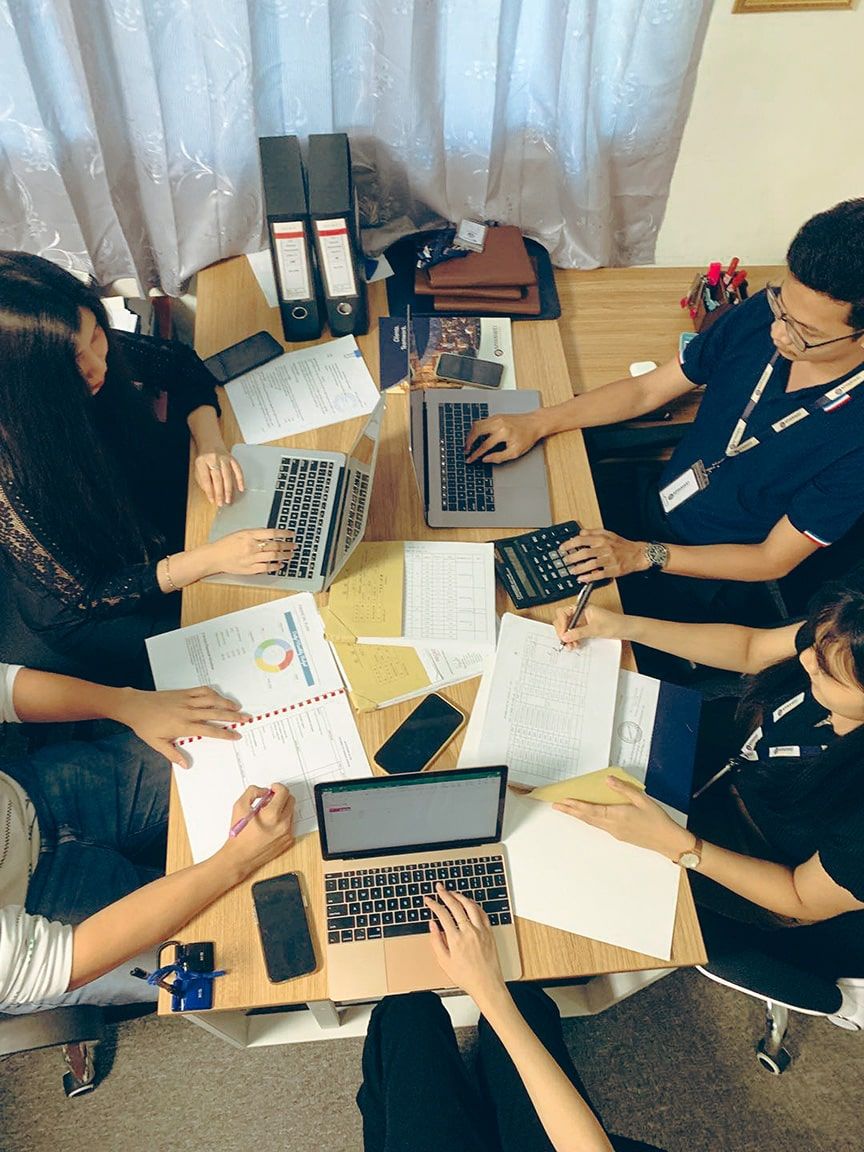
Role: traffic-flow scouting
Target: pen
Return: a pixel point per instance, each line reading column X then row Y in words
column 254, row 808
column 579, row 607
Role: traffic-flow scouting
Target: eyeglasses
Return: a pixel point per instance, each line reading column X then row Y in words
column 796, row 339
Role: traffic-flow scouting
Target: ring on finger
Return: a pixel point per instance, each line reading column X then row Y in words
column 262, row 544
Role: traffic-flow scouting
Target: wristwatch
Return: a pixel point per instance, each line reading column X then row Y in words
column 656, row 554
column 692, row 857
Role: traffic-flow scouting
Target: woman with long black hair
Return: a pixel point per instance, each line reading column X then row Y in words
column 776, row 839
column 93, row 484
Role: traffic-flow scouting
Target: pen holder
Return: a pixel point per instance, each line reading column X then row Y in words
column 707, row 302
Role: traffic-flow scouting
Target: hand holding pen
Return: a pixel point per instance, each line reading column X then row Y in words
column 578, row 608
column 254, row 808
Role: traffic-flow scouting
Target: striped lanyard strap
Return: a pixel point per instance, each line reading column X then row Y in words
column 827, row 402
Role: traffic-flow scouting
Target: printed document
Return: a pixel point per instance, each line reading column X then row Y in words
column 546, row 711
column 302, row 390
column 416, row 593
column 274, row 661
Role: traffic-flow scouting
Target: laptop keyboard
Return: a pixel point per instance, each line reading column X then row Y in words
column 299, row 504
column 378, row 903
column 464, row 488
column 356, row 507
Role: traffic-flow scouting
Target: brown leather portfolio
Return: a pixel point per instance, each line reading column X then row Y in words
column 503, row 262
column 529, row 305
column 423, row 287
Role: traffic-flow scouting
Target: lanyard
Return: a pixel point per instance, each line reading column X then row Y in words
column 737, row 445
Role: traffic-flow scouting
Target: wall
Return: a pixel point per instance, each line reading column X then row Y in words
column 775, row 133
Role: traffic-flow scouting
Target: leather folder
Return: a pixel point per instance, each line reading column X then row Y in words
column 289, row 232
column 332, row 207
column 503, row 262
column 423, row 287
column 482, row 304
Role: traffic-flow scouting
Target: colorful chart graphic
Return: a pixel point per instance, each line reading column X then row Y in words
column 276, row 650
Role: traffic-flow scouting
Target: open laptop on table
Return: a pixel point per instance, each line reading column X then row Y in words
column 478, row 495
column 321, row 497
column 386, row 842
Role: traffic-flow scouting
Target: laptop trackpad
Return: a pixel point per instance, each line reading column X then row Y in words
column 411, row 965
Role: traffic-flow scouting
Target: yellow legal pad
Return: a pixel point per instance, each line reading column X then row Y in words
column 591, row 787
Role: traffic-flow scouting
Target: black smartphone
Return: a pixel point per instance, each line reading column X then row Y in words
column 469, row 370
column 282, row 922
column 420, row 737
column 244, row 356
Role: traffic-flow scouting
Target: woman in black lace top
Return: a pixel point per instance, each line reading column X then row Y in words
column 93, row 477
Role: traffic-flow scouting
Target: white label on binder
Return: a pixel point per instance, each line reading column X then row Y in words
column 289, row 243
column 335, row 248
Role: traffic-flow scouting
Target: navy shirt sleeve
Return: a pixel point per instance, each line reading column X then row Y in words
column 702, row 355
column 827, row 507
column 842, row 856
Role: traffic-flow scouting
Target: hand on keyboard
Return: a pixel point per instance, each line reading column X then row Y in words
column 252, row 552
column 500, row 438
column 463, row 944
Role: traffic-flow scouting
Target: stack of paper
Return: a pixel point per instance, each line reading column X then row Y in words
column 274, row 661
column 407, row 617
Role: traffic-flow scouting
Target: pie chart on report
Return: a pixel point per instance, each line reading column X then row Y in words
column 273, row 655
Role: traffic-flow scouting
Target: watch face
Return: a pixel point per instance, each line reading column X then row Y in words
column 688, row 860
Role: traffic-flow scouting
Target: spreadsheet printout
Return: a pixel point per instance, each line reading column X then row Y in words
column 548, row 711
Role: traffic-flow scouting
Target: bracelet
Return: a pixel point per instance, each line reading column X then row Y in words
column 172, row 587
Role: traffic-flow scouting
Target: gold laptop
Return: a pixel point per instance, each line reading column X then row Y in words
column 386, row 842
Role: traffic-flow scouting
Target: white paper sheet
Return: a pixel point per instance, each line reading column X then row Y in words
column 266, row 656
column 635, row 710
column 302, row 390
column 571, row 876
column 548, row 711
column 261, row 264
column 449, row 597
column 274, row 661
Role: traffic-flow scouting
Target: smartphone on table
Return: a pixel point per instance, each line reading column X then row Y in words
column 469, row 370
column 420, row 736
column 286, row 940
column 242, row 357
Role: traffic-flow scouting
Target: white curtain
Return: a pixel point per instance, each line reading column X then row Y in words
column 128, row 128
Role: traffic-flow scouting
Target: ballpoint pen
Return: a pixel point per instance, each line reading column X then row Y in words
column 254, row 808
column 579, row 607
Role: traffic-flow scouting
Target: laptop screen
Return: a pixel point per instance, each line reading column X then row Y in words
column 382, row 815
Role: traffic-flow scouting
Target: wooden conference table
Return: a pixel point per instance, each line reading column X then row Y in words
column 230, row 307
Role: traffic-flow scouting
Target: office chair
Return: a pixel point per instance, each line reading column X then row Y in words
column 78, row 1028
column 736, row 961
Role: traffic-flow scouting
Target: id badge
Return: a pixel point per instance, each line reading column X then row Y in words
column 684, row 487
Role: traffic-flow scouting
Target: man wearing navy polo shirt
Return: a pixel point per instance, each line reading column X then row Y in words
column 772, row 467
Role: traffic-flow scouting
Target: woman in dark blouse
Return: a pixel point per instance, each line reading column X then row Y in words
column 783, row 822
column 93, row 477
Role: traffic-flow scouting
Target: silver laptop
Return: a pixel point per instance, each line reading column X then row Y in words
column 386, row 842
column 321, row 497
column 460, row 495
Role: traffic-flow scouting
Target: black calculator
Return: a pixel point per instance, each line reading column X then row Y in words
column 531, row 568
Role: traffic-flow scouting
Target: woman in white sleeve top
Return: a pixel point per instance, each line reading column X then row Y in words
column 82, row 828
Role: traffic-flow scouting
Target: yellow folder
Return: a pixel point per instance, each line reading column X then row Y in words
column 591, row 787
